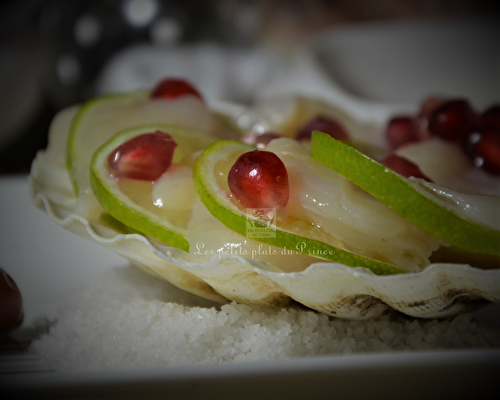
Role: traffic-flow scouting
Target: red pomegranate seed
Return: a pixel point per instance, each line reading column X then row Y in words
column 145, row 157
column 491, row 118
column 426, row 109
column 258, row 179
column 402, row 130
column 172, row 88
column 323, row 124
column 260, row 140
column 485, row 150
column 453, row 120
column 404, row 167
column 11, row 304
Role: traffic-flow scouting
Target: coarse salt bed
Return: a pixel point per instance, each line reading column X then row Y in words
column 129, row 320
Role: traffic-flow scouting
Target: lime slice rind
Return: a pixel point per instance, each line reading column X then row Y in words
column 72, row 159
column 119, row 206
column 125, row 211
column 225, row 211
column 412, row 201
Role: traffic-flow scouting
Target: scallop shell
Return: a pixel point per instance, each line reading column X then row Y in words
column 441, row 290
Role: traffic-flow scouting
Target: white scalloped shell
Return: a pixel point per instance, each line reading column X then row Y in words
column 441, row 290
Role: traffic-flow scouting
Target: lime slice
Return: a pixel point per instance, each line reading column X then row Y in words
column 101, row 118
column 211, row 188
column 465, row 221
column 130, row 201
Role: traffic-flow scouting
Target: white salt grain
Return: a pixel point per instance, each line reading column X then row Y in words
column 129, row 320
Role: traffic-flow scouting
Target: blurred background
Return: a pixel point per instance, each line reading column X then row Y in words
column 54, row 53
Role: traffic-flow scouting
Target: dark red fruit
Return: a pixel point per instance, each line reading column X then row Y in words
column 491, row 118
column 323, row 124
column 453, row 120
column 172, row 88
column 145, row 157
column 258, row 179
column 484, row 148
column 11, row 304
column 402, row 130
column 404, row 167
column 427, row 107
column 260, row 140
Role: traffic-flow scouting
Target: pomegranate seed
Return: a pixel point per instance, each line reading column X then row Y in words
column 258, row 179
column 426, row 109
column 484, row 148
column 453, row 120
column 172, row 88
column 323, row 124
column 402, row 130
column 145, row 157
column 262, row 140
column 491, row 118
column 404, row 167
column 11, row 304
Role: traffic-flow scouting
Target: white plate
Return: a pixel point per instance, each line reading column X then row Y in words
column 45, row 261
column 56, row 262
column 437, row 375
